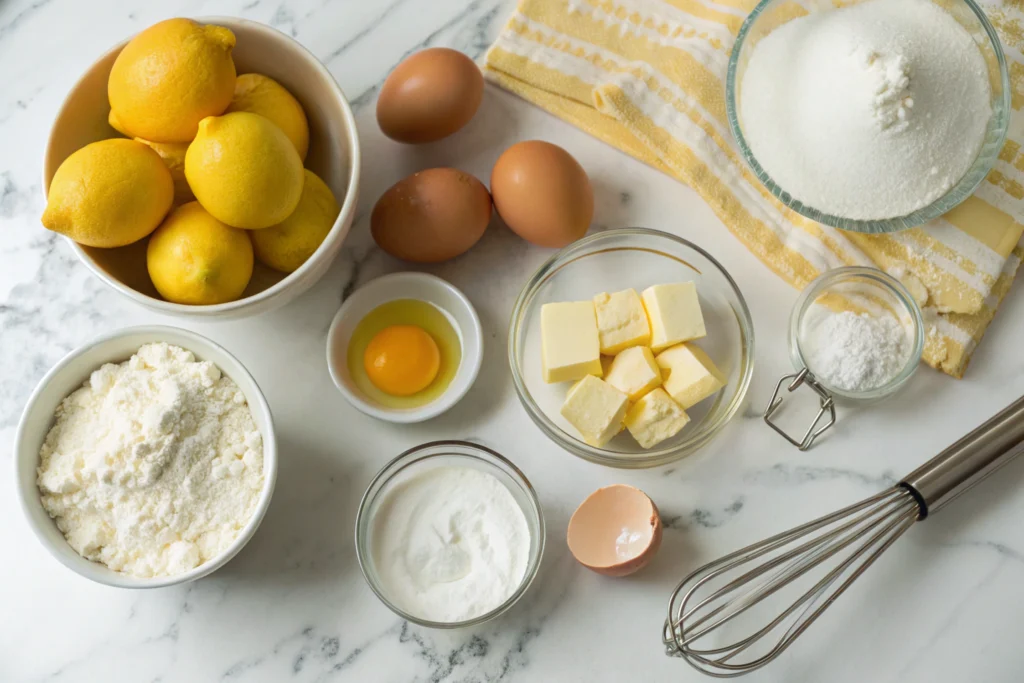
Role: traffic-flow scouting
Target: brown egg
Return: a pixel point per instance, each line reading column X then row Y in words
column 431, row 216
column 429, row 96
column 615, row 531
column 542, row 193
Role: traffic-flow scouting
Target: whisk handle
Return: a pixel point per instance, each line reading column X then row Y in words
column 969, row 460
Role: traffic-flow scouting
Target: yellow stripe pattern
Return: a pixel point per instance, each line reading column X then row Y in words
column 648, row 77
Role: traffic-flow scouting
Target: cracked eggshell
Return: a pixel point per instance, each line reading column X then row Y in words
column 616, row 531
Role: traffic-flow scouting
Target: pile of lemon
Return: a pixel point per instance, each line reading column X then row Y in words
column 211, row 169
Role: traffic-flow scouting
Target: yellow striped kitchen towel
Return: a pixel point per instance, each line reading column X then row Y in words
column 648, row 77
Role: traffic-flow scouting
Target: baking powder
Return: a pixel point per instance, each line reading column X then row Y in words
column 449, row 544
column 869, row 111
column 154, row 465
column 855, row 351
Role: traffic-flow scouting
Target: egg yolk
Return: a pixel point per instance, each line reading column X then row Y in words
column 402, row 360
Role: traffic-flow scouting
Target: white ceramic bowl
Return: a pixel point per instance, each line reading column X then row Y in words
column 333, row 155
column 425, row 287
column 67, row 376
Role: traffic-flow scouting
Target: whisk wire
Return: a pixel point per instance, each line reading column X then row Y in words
column 778, row 580
column 880, row 519
column 886, row 537
column 776, row 541
column 808, row 600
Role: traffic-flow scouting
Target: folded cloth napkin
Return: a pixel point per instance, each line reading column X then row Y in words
column 648, row 77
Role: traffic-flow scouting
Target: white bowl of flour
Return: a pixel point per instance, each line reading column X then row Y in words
column 874, row 117
column 191, row 451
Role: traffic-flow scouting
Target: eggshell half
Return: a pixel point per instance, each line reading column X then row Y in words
column 615, row 531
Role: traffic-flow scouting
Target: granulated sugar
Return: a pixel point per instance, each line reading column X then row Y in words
column 855, row 351
column 869, row 111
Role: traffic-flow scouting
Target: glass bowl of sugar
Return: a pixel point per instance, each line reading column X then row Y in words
column 872, row 116
column 858, row 331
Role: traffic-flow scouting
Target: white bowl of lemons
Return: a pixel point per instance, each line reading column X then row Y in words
column 223, row 188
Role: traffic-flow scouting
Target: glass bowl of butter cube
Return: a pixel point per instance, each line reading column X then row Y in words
column 631, row 348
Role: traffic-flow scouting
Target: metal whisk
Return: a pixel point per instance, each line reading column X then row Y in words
column 825, row 555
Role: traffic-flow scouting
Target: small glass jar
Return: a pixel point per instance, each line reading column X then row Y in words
column 861, row 290
column 439, row 454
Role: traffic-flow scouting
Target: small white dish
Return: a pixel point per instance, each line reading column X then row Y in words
column 67, row 376
column 425, row 287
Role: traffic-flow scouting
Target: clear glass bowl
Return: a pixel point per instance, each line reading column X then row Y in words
column 436, row 454
column 863, row 290
column 612, row 261
column 770, row 14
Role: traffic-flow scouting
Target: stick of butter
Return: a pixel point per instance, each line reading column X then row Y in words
column 634, row 372
column 654, row 418
column 674, row 312
column 689, row 375
column 621, row 321
column 569, row 342
column 595, row 409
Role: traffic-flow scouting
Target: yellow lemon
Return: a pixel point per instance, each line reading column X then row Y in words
column 173, row 154
column 193, row 258
column 170, row 77
column 116, row 125
column 287, row 245
column 244, row 170
column 263, row 95
column 109, row 193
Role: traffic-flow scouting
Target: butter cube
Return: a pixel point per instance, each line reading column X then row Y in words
column 606, row 366
column 595, row 409
column 654, row 418
column 634, row 372
column 621, row 321
column 689, row 375
column 569, row 342
column 674, row 312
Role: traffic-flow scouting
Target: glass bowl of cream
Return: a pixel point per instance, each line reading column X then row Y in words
column 449, row 534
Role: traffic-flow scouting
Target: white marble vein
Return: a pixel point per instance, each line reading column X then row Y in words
column 942, row 607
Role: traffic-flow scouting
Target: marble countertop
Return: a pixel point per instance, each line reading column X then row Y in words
column 942, row 606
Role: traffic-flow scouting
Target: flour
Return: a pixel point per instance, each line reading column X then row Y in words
column 154, row 465
column 450, row 544
column 855, row 351
column 869, row 111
